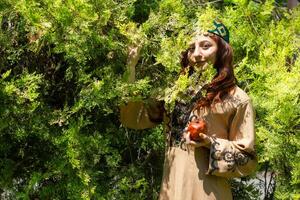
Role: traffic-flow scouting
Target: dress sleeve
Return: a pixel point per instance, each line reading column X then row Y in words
column 236, row 156
column 141, row 114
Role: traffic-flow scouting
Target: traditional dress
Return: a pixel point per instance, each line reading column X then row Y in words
column 202, row 173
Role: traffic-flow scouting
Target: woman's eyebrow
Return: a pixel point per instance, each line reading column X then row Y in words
column 205, row 41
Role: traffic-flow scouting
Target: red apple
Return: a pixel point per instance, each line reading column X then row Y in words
column 196, row 127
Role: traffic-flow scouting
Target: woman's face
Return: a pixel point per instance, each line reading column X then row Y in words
column 202, row 52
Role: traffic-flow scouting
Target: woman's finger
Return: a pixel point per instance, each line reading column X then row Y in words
column 196, row 144
column 187, row 138
column 205, row 139
column 203, row 136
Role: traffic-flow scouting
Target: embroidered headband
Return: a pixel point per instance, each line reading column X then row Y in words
column 220, row 30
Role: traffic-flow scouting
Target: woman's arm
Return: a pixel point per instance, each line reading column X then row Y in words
column 139, row 114
column 133, row 58
column 142, row 115
column 236, row 156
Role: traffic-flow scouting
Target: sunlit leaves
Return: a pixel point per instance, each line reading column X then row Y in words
column 62, row 81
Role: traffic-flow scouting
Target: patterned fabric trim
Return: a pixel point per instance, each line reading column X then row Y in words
column 232, row 158
column 178, row 119
column 214, row 155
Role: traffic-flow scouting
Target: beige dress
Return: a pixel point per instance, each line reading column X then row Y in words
column 202, row 173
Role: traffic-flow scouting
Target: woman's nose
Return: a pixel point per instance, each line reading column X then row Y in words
column 197, row 54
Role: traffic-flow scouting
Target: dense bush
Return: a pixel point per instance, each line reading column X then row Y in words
column 63, row 77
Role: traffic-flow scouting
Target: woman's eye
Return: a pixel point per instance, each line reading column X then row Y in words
column 206, row 46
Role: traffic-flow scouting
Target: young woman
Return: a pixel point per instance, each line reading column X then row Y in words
column 199, row 169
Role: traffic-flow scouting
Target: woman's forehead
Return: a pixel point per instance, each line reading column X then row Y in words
column 201, row 38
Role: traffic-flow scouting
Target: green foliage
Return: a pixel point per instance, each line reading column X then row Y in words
column 62, row 71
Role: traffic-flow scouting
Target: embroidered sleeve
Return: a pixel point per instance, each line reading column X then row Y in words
column 235, row 157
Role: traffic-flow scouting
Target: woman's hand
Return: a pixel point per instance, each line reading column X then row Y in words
column 134, row 55
column 203, row 142
column 133, row 58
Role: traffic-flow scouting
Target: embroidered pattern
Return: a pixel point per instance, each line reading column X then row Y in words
column 215, row 155
column 233, row 158
column 180, row 116
column 235, row 100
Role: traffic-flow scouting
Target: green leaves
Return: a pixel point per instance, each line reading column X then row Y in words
column 62, row 81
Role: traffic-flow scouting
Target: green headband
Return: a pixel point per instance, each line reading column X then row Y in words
column 220, row 30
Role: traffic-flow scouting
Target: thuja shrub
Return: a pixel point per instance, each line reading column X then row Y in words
column 63, row 78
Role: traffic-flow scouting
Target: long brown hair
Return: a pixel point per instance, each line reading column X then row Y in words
column 224, row 80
